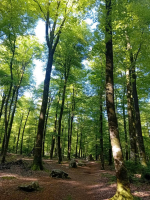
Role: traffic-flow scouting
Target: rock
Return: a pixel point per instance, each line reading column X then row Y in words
column 73, row 164
column 81, row 164
column 58, row 173
column 30, row 187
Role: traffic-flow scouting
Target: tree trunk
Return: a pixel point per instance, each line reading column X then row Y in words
column 55, row 130
column 123, row 186
column 125, row 127
column 76, row 155
column 2, row 105
column 101, row 133
column 23, row 132
column 45, row 126
column 19, row 134
column 10, row 125
column 59, row 121
column 68, row 156
column 52, row 41
column 137, row 118
column 96, row 148
column 110, row 152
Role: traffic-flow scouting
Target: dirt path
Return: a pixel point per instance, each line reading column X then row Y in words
column 86, row 183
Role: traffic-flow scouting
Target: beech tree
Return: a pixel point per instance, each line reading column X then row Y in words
column 123, row 188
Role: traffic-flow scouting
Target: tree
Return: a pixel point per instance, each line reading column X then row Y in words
column 123, row 188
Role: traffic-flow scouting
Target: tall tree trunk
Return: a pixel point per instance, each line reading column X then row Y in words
column 10, row 127
column 71, row 123
column 96, row 148
column 131, row 119
column 6, row 118
column 45, row 125
column 123, row 186
column 76, row 155
column 101, row 133
column 52, row 41
column 23, row 132
column 80, row 147
column 15, row 91
column 68, row 155
column 55, row 130
column 2, row 105
column 137, row 118
column 19, row 134
column 60, row 120
column 124, row 123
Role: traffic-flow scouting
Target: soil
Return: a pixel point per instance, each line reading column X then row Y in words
column 86, row 182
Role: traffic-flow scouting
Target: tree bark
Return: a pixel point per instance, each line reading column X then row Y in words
column 2, row 105
column 138, row 119
column 19, row 134
column 52, row 41
column 45, row 125
column 125, row 127
column 60, row 120
column 23, row 132
column 101, row 133
column 131, row 119
column 55, row 130
column 123, row 186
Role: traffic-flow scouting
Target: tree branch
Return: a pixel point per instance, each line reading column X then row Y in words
column 40, row 8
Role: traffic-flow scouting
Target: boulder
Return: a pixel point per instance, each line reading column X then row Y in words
column 73, row 164
column 57, row 173
column 29, row 187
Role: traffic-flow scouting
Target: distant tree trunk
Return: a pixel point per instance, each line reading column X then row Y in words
column 96, row 148
column 68, row 155
column 19, row 134
column 2, row 105
column 137, row 118
column 60, row 119
column 101, row 133
column 71, row 124
column 123, row 186
column 52, row 41
column 125, row 127
column 76, row 155
column 10, row 124
column 62, row 132
column 55, row 130
column 45, row 125
column 23, row 131
column 80, row 147
column 131, row 119
column 66, row 75
column 6, row 118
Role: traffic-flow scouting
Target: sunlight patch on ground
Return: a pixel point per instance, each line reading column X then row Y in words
column 142, row 194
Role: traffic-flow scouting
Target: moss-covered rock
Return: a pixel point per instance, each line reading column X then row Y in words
column 29, row 187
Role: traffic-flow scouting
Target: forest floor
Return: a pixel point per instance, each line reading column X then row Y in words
column 87, row 182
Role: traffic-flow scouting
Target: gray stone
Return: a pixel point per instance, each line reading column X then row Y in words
column 30, row 187
column 73, row 164
column 58, row 173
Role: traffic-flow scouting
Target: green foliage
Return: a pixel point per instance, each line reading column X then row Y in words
column 8, row 177
column 111, row 178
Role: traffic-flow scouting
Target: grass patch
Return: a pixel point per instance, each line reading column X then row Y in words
column 68, row 198
column 112, row 178
column 8, row 177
